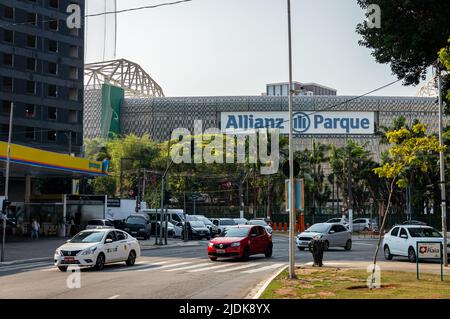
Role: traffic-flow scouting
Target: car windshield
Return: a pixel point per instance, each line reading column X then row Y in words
column 87, row 237
column 318, row 228
column 205, row 220
column 197, row 223
column 227, row 222
column 235, row 232
column 95, row 222
column 257, row 222
column 191, row 218
column 424, row 232
column 135, row 220
column 334, row 220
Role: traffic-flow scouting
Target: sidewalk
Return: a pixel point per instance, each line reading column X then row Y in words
column 24, row 250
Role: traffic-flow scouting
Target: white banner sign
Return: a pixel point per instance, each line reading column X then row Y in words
column 429, row 250
column 307, row 122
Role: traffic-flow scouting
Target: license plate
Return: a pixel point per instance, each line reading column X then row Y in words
column 69, row 259
column 220, row 251
column 134, row 232
column 304, row 243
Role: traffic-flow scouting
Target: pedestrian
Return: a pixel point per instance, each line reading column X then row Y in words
column 70, row 224
column 35, row 229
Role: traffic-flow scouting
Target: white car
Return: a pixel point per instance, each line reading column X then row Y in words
column 97, row 247
column 339, row 220
column 402, row 240
column 99, row 224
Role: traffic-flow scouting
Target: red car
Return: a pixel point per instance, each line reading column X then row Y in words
column 241, row 241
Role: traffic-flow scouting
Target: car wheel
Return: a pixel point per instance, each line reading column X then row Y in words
column 348, row 245
column 301, row 248
column 100, row 263
column 62, row 268
column 269, row 251
column 131, row 258
column 387, row 253
column 213, row 258
column 326, row 245
column 411, row 255
column 246, row 254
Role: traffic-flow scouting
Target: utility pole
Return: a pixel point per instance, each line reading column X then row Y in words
column 292, row 274
column 8, row 158
column 350, row 194
column 442, row 168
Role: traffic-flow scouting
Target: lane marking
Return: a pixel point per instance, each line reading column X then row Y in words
column 238, row 267
column 210, row 268
column 166, row 266
column 145, row 265
column 114, row 297
column 262, row 268
column 188, row 267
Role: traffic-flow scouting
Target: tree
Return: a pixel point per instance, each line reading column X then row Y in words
column 411, row 34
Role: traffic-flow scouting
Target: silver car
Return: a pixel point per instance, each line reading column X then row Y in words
column 334, row 235
column 364, row 224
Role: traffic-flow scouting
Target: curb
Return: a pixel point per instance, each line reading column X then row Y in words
column 264, row 284
column 25, row 261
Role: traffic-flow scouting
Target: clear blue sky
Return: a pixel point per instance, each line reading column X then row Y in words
column 235, row 47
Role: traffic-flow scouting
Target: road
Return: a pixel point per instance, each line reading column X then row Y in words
column 183, row 272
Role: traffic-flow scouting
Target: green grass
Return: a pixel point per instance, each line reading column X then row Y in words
column 335, row 283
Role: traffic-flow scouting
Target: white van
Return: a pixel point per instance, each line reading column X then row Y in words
column 175, row 215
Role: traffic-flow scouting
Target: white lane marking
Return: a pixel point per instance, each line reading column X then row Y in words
column 8, row 268
column 210, row 268
column 166, row 266
column 188, row 267
column 238, row 267
column 145, row 265
column 262, row 268
column 114, row 297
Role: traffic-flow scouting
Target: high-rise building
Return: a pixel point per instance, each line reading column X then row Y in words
column 41, row 72
column 281, row 89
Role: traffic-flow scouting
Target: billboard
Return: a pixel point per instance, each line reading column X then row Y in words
column 305, row 122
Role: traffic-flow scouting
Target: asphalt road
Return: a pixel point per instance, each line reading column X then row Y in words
column 184, row 272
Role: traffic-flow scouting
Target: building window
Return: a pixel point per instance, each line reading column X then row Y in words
column 52, row 68
column 52, row 90
column 54, row 4
column 31, row 41
column 7, row 84
column 31, row 64
column 51, row 136
column 30, row 110
column 8, row 13
column 8, row 36
column 6, row 107
column 52, row 113
column 53, row 46
column 73, row 94
column 53, row 25
column 31, row 87
column 72, row 116
column 7, row 59
column 31, row 18
column 73, row 73
column 30, row 133
column 73, row 51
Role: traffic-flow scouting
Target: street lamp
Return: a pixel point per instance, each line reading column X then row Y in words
column 291, row 157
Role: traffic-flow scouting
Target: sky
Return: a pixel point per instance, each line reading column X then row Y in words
column 235, row 47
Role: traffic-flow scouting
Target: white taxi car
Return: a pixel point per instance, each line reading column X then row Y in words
column 97, row 247
column 402, row 240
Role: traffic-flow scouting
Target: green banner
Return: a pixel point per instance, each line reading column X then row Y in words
column 112, row 97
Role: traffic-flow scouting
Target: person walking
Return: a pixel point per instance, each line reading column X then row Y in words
column 35, row 229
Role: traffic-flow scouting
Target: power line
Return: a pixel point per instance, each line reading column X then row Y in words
column 101, row 13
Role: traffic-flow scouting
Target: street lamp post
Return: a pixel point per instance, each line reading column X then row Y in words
column 8, row 157
column 291, row 158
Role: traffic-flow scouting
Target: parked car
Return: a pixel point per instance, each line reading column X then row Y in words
column 197, row 229
column 172, row 230
column 241, row 241
column 340, row 220
column 364, row 224
column 333, row 234
column 174, row 215
column 138, row 225
column 223, row 223
column 414, row 222
column 99, row 224
column 213, row 229
column 261, row 222
column 402, row 240
column 240, row 221
column 97, row 247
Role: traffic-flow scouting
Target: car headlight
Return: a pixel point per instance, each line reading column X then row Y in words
column 210, row 244
column 58, row 252
column 89, row 251
column 235, row 244
column 317, row 237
